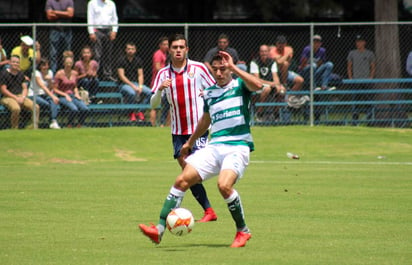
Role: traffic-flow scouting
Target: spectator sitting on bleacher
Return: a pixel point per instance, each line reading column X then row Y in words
column 65, row 85
column 266, row 69
column 321, row 67
column 282, row 53
column 26, row 54
column 87, row 69
column 13, row 87
column 43, row 86
column 131, row 77
column 409, row 64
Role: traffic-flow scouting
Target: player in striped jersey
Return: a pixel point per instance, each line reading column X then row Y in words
column 227, row 154
column 183, row 81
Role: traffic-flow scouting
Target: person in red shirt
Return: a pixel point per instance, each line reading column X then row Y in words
column 158, row 62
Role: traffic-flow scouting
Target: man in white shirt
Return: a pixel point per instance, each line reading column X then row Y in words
column 102, row 27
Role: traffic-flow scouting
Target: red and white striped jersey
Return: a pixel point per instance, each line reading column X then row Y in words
column 184, row 94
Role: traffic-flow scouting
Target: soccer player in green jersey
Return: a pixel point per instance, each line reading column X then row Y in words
column 226, row 110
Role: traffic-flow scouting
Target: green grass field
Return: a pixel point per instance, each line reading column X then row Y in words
column 76, row 197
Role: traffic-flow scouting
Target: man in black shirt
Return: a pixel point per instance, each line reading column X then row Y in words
column 13, row 87
column 131, row 77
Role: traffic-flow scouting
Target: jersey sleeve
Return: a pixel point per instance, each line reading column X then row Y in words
column 207, row 78
column 160, row 77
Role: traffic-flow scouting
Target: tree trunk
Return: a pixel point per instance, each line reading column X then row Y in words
column 387, row 58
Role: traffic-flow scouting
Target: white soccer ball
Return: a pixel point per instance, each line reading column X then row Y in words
column 180, row 221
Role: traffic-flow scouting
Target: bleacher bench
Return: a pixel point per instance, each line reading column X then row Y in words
column 329, row 102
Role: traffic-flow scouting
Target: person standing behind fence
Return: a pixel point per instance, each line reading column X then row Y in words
column 102, row 20
column 361, row 64
column 65, row 85
column 26, row 54
column 131, row 77
column 322, row 68
column 159, row 60
column 223, row 45
column 87, row 69
column 13, row 87
column 59, row 11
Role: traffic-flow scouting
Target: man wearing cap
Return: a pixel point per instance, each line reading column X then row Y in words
column 14, row 90
column 361, row 61
column 361, row 64
column 321, row 67
column 59, row 11
column 26, row 54
column 102, row 20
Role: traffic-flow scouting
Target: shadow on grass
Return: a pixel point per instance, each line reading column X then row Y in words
column 184, row 247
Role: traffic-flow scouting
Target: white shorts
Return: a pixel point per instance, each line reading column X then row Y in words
column 212, row 159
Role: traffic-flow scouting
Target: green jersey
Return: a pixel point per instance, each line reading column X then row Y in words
column 228, row 108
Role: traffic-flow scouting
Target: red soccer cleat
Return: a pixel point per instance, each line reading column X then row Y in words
column 240, row 239
column 151, row 232
column 209, row 216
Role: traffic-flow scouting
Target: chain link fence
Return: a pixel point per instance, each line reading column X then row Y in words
column 331, row 97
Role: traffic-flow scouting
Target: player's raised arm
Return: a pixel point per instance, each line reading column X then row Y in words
column 253, row 83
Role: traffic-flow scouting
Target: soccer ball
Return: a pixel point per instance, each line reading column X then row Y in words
column 180, row 221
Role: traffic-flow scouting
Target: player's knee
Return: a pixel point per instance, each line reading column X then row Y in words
column 181, row 183
column 184, row 181
column 224, row 189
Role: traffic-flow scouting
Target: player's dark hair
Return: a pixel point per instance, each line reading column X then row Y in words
column 175, row 37
column 216, row 57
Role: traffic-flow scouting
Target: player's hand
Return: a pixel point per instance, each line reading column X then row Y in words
column 165, row 84
column 185, row 150
column 227, row 59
